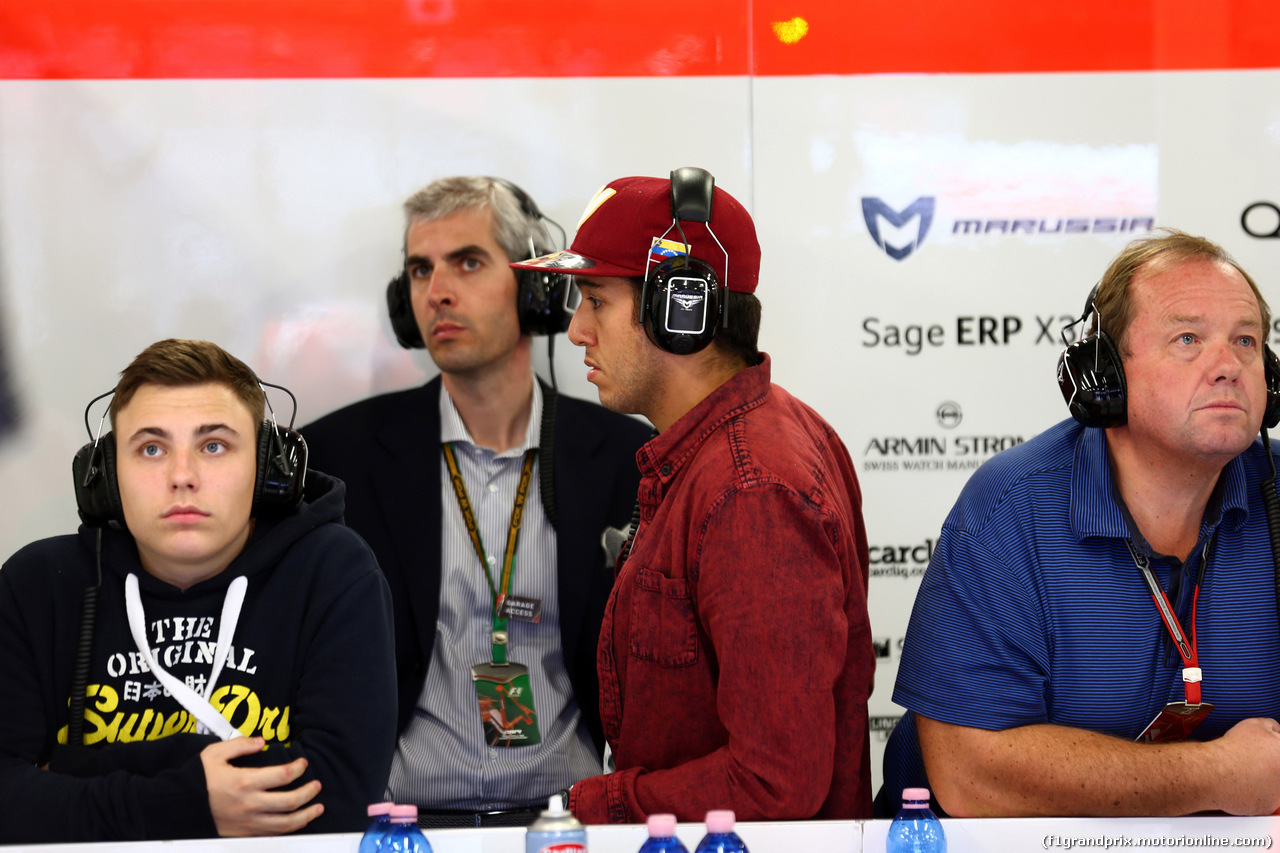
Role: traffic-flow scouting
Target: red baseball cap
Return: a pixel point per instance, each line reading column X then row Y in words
column 621, row 223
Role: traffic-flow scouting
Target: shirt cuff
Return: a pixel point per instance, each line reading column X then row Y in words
column 607, row 799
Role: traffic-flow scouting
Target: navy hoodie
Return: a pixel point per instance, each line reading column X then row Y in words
column 311, row 670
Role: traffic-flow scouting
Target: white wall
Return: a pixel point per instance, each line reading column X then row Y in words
column 264, row 215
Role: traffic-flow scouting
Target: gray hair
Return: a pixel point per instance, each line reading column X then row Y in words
column 513, row 229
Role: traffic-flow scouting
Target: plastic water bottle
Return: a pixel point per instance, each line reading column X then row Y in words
column 662, row 835
column 404, row 835
column 380, row 823
column 916, row 829
column 555, row 831
column 720, row 837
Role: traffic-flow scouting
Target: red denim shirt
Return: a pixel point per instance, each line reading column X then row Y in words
column 735, row 658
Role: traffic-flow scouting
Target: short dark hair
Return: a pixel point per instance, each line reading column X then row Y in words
column 175, row 363
column 738, row 340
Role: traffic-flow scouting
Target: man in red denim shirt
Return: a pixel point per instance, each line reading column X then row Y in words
column 735, row 658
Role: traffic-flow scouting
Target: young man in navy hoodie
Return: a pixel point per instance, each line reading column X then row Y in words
column 235, row 676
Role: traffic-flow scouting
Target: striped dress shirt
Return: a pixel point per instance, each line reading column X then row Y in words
column 442, row 760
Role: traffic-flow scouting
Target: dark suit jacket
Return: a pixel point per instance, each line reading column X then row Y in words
column 387, row 450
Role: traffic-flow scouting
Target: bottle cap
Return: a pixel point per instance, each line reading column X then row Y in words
column 555, row 806
column 404, row 814
column 915, row 795
column 661, row 825
column 380, row 809
column 720, row 821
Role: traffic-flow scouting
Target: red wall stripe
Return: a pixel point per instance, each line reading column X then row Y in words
column 68, row 39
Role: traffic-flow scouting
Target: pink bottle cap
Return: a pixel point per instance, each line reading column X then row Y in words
column 720, row 821
column 915, row 795
column 380, row 809
column 404, row 814
column 661, row 825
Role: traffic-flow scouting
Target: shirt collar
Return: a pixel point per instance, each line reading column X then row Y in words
column 1097, row 508
column 666, row 453
column 452, row 429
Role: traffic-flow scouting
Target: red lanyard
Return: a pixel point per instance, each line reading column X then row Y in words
column 1187, row 650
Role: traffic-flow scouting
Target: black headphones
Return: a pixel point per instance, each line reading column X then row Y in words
column 1091, row 376
column 541, row 295
column 277, row 488
column 682, row 302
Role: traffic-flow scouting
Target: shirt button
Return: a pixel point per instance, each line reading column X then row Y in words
column 492, row 560
column 493, row 487
column 666, row 470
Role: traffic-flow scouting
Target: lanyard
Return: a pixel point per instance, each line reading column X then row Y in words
column 1187, row 649
column 209, row 719
column 500, row 590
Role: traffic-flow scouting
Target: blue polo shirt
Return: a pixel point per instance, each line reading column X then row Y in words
column 1033, row 611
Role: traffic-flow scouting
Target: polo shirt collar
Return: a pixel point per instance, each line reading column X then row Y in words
column 1096, row 508
column 665, row 454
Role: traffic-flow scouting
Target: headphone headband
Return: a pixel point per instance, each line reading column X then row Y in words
column 1092, row 380
column 542, row 296
column 281, row 466
column 683, row 301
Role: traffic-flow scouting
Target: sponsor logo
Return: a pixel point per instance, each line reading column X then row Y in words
column 909, row 226
column 881, row 727
column 901, row 561
column 920, row 210
column 1054, row 225
column 929, row 452
column 918, row 554
column 1262, row 220
column 897, row 453
column 888, row 647
column 687, row 301
column 949, row 414
column 561, row 261
column 968, row 330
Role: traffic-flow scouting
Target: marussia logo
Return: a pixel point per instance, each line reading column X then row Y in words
column 687, row 300
column 921, row 210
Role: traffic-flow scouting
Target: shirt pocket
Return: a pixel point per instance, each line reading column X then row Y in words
column 663, row 626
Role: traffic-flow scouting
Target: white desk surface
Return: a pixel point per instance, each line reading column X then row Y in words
column 963, row 836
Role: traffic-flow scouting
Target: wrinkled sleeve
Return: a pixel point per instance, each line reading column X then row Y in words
column 771, row 598
column 976, row 651
column 343, row 719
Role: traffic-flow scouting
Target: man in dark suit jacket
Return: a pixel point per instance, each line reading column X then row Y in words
column 459, row 298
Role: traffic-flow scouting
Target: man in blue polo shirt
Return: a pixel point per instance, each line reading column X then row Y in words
column 1097, row 631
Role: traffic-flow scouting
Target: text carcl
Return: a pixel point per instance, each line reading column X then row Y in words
column 919, row 554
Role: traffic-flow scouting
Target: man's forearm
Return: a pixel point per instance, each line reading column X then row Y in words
column 1059, row 770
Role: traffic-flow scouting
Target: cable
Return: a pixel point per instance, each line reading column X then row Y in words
column 546, row 453
column 632, row 527
column 84, row 651
column 1271, row 505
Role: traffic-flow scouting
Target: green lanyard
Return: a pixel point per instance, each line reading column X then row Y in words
column 500, row 591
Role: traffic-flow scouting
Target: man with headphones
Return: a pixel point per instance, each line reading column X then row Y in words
column 735, row 657
column 1097, row 631
column 210, row 655
column 485, row 496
